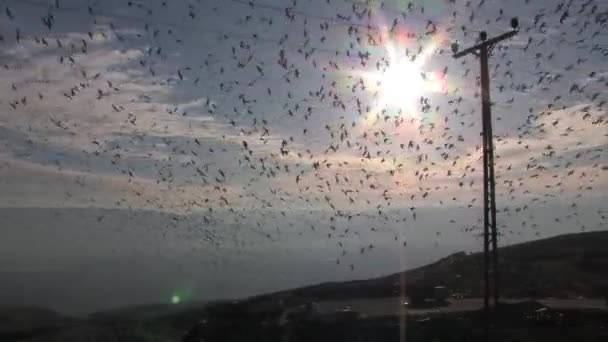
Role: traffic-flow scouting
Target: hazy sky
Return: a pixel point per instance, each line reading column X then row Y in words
column 224, row 148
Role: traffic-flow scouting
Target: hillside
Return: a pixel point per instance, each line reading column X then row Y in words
column 565, row 266
column 157, row 322
column 23, row 322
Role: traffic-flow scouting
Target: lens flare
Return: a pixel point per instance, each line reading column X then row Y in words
column 400, row 80
column 401, row 85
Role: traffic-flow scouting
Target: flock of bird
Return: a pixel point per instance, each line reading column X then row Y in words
column 262, row 113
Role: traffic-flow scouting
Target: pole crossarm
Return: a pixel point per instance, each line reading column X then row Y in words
column 486, row 43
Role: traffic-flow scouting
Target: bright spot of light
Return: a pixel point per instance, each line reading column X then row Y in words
column 175, row 299
column 401, row 85
column 401, row 80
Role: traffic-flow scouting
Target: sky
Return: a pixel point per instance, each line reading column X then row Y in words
column 219, row 149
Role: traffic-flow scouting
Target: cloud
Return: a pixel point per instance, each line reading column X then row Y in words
column 174, row 101
column 103, row 121
column 577, row 131
column 29, row 184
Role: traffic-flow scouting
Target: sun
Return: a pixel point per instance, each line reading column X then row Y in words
column 401, row 85
column 398, row 83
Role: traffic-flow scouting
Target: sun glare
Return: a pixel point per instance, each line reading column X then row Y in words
column 401, row 85
column 398, row 85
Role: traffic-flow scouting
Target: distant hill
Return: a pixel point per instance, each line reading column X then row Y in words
column 565, row 266
column 22, row 322
column 157, row 322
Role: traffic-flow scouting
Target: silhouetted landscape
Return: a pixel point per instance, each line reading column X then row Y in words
column 566, row 266
column 570, row 266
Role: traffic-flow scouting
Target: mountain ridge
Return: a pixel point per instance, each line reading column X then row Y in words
column 527, row 269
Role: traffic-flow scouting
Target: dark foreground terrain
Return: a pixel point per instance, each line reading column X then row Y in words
column 524, row 321
column 570, row 266
column 565, row 266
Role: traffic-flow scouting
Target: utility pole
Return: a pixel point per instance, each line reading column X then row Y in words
column 490, row 234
